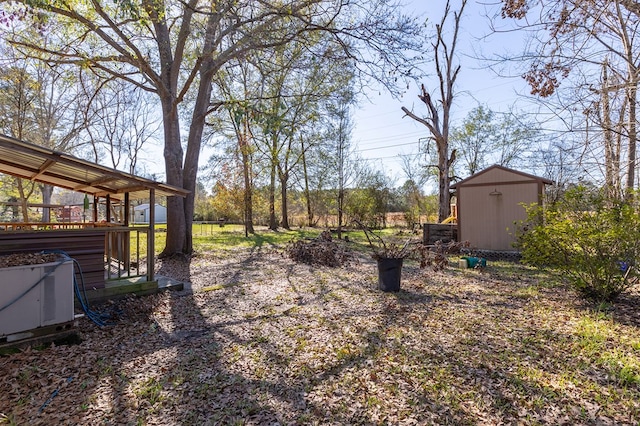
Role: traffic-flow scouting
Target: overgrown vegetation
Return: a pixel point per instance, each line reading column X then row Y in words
column 323, row 250
column 592, row 240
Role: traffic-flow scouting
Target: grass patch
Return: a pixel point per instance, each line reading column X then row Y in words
column 600, row 339
column 150, row 390
column 212, row 237
column 217, row 287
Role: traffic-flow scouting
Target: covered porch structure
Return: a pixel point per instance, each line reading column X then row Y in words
column 114, row 256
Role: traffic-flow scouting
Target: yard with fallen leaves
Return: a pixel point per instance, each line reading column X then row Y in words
column 258, row 339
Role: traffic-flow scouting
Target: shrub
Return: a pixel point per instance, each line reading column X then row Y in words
column 592, row 240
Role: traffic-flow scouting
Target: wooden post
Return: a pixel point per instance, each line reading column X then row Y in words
column 151, row 239
column 126, row 209
column 108, row 208
column 126, row 236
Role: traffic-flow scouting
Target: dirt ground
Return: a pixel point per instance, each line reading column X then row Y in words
column 257, row 339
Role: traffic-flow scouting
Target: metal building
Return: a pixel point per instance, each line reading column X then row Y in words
column 491, row 202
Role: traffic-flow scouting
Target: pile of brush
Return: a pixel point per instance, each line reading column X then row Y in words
column 322, row 250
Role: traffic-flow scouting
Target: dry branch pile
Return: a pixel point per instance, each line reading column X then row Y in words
column 321, row 250
column 436, row 255
column 382, row 249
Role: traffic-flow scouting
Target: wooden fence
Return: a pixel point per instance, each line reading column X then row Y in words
column 432, row 232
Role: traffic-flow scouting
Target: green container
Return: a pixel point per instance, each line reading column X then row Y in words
column 474, row 262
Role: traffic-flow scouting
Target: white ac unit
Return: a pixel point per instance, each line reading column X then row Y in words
column 26, row 305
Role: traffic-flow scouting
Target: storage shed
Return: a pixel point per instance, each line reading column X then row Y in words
column 141, row 213
column 490, row 202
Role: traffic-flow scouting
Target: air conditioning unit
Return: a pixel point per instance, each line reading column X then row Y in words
column 25, row 305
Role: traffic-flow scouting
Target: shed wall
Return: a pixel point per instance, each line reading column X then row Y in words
column 487, row 211
column 142, row 215
column 161, row 214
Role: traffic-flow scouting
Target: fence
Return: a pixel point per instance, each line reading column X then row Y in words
column 432, row 232
column 124, row 249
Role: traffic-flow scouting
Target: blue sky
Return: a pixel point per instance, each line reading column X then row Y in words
column 381, row 134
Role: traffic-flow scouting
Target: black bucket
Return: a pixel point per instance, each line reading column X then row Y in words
column 389, row 270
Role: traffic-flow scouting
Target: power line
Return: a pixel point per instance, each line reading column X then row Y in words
column 386, row 147
column 397, row 137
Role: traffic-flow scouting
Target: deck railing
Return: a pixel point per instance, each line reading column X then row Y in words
column 126, row 252
column 43, row 226
column 126, row 249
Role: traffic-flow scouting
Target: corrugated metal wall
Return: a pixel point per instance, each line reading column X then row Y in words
column 490, row 204
column 86, row 246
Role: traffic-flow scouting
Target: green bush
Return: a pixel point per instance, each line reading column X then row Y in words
column 592, row 240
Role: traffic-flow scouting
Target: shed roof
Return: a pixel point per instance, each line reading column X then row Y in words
column 525, row 176
column 36, row 163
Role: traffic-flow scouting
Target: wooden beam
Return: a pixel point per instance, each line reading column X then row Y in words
column 94, row 183
column 48, row 163
column 151, row 242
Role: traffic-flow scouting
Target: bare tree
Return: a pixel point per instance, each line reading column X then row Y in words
column 447, row 71
column 337, row 116
column 594, row 37
column 294, row 86
column 119, row 123
column 485, row 138
column 235, row 87
column 605, row 126
column 39, row 104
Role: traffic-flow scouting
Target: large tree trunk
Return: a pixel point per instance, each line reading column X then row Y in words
column 194, row 144
column 180, row 210
column 176, row 226
column 340, row 211
column 24, row 208
column 341, row 183
column 307, row 193
column 444, row 200
column 248, row 186
column 605, row 121
column 631, row 176
column 273, row 223
column 47, row 191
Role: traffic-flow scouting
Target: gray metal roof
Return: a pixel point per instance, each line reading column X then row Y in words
column 36, row 163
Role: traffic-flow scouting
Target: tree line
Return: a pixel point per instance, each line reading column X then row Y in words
column 370, row 202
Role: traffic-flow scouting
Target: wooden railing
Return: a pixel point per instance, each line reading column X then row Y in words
column 126, row 249
column 44, row 226
column 106, row 251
